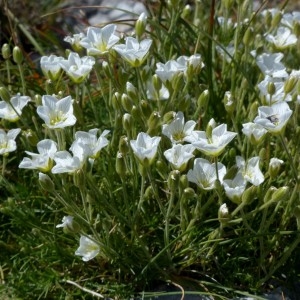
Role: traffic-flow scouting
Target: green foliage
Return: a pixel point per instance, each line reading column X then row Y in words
column 151, row 224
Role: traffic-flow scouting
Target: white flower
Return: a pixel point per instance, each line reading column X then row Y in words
column 153, row 94
column 254, row 132
column 274, row 118
column 56, row 113
column 76, row 67
column 98, row 41
column 214, row 145
column 7, row 141
column 145, row 147
column 278, row 95
column 66, row 222
column 179, row 155
column 66, row 163
column 89, row 139
column 250, row 170
column 204, row 173
column 13, row 110
column 234, row 188
column 134, row 52
column 284, row 38
column 75, row 40
column 42, row 161
column 50, row 66
column 178, row 131
column 270, row 64
column 88, row 249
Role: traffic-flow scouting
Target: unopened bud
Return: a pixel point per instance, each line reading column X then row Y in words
column 173, row 179
column 248, row 36
column 249, row 194
column 276, row 19
column 121, row 165
column 6, row 52
column 131, row 90
column 153, row 122
column 17, row 55
column 281, row 194
column 183, row 183
column 189, row 192
column 126, row 102
column 269, row 193
column 229, row 102
column 223, row 214
column 203, row 101
column 127, row 122
column 123, row 145
column 140, row 25
column 274, row 167
column 169, row 117
column 290, row 84
column 146, row 109
column 116, row 101
column 46, row 182
column 4, row 94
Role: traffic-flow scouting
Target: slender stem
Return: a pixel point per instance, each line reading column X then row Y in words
column 290, row 158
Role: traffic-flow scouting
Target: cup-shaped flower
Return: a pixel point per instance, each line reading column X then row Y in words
column 215, row 144
column 98, row 41
column 88, row 249
column 250, row 170
column 168, row 72
column 12, row 111
column 204, row 173
column 134, row 52
column 76, row 67
column 270, row 64
column 234, row 188
column 66, row 163
column 50, row 66
column 274, row 118
column 254, row 132
column 43, row 160
column 178, row 131
column 283, row 38
column 179, row 155
column 7, row 141
column 145, row 147
column 57, row 113
column 89, row 139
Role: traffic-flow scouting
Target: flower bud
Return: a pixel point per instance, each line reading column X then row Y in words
column 253, row 110
column 17, row 55
column 209, row 128
column 123, row 145
column 121, row 165
column 290, row 84
column 276, row 19
column 274, row 167
column 37, row 99
column 46, row 182
column 31, row 137
column 184, row 103
column 149, row 194
column 248, row 36
column 146, row 109
column 6, row 52
column 4, row 94
column 126, row 102
column 140, row 25
column 153, row 122
column 249, row 195
column 269, row 193
column 223, row 214
column 173, row 180
column 189, row 192
column 186, row 11
column 162, row 168
column 169, row 117
column 116, row 101
column 271, row 88
column 50, row 87
column 183, row 183
column 131, row 90
column 280, row 194
column 203, row 101
column 127, row 122
column 157, row 84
